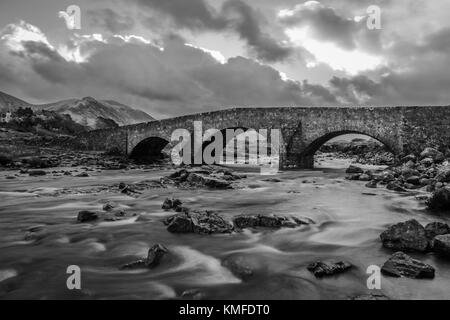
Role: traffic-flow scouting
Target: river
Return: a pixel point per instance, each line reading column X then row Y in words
column 349, row 219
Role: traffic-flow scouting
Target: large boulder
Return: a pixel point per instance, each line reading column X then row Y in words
column 402, row 265
column 405, row 236
column 436, row 155
column 442, row 245
column 321, row 269
column 440, row 200
column 434, row 229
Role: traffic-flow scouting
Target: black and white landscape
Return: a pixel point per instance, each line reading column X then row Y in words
column 93, row 205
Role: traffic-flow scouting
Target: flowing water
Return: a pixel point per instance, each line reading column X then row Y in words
column 349, row 220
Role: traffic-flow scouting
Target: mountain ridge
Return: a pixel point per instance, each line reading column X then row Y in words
column 86, row 111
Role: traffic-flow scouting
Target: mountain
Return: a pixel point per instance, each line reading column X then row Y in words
column 89, row 112
column 8, row 102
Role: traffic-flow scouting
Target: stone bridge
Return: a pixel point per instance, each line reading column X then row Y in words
column 403, row 129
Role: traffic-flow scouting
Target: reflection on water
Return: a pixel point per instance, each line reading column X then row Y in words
column 349, row 221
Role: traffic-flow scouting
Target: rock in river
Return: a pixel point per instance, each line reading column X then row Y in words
column 86, row 216
column 154, row 256
column 440, row 200
column 238, row 266
column 406, row 236
column 205, row 222
column 171, row 204
column 434, row 229
column 402, row 265
column 270, row 221
column 321, row 269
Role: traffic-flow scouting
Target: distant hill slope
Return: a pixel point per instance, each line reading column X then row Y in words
column 8, row 102
column 88, row 111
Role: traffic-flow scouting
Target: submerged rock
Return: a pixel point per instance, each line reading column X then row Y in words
column 405, row 236
column 238, row 266
column 205, row 222
column 86, row 216
column 402, row 265
column 272, row 221
column 321, row 269
column 440, row 200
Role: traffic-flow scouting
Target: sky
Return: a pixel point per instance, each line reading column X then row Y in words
column 175, row 57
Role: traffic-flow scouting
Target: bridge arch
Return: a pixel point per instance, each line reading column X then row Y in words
column 149, row 149
column 306, row 157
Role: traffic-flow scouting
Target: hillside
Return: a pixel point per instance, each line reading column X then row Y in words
column 89, row 112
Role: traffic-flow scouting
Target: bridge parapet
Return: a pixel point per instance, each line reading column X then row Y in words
column 303, row 129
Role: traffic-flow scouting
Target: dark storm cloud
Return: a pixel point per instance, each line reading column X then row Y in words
column 248, row 25
column 192, row 14
column 177, row 80
column 110, row 20
column 234, row 15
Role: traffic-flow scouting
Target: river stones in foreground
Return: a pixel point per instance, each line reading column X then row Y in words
column 402, row 265
column 322, row 269
column 405, row 236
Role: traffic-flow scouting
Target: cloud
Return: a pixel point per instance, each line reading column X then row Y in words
column 108, row 19
column 192, row 14
column 248, row 25
column 324, row 23
column 234, row 15
column 177, row 79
